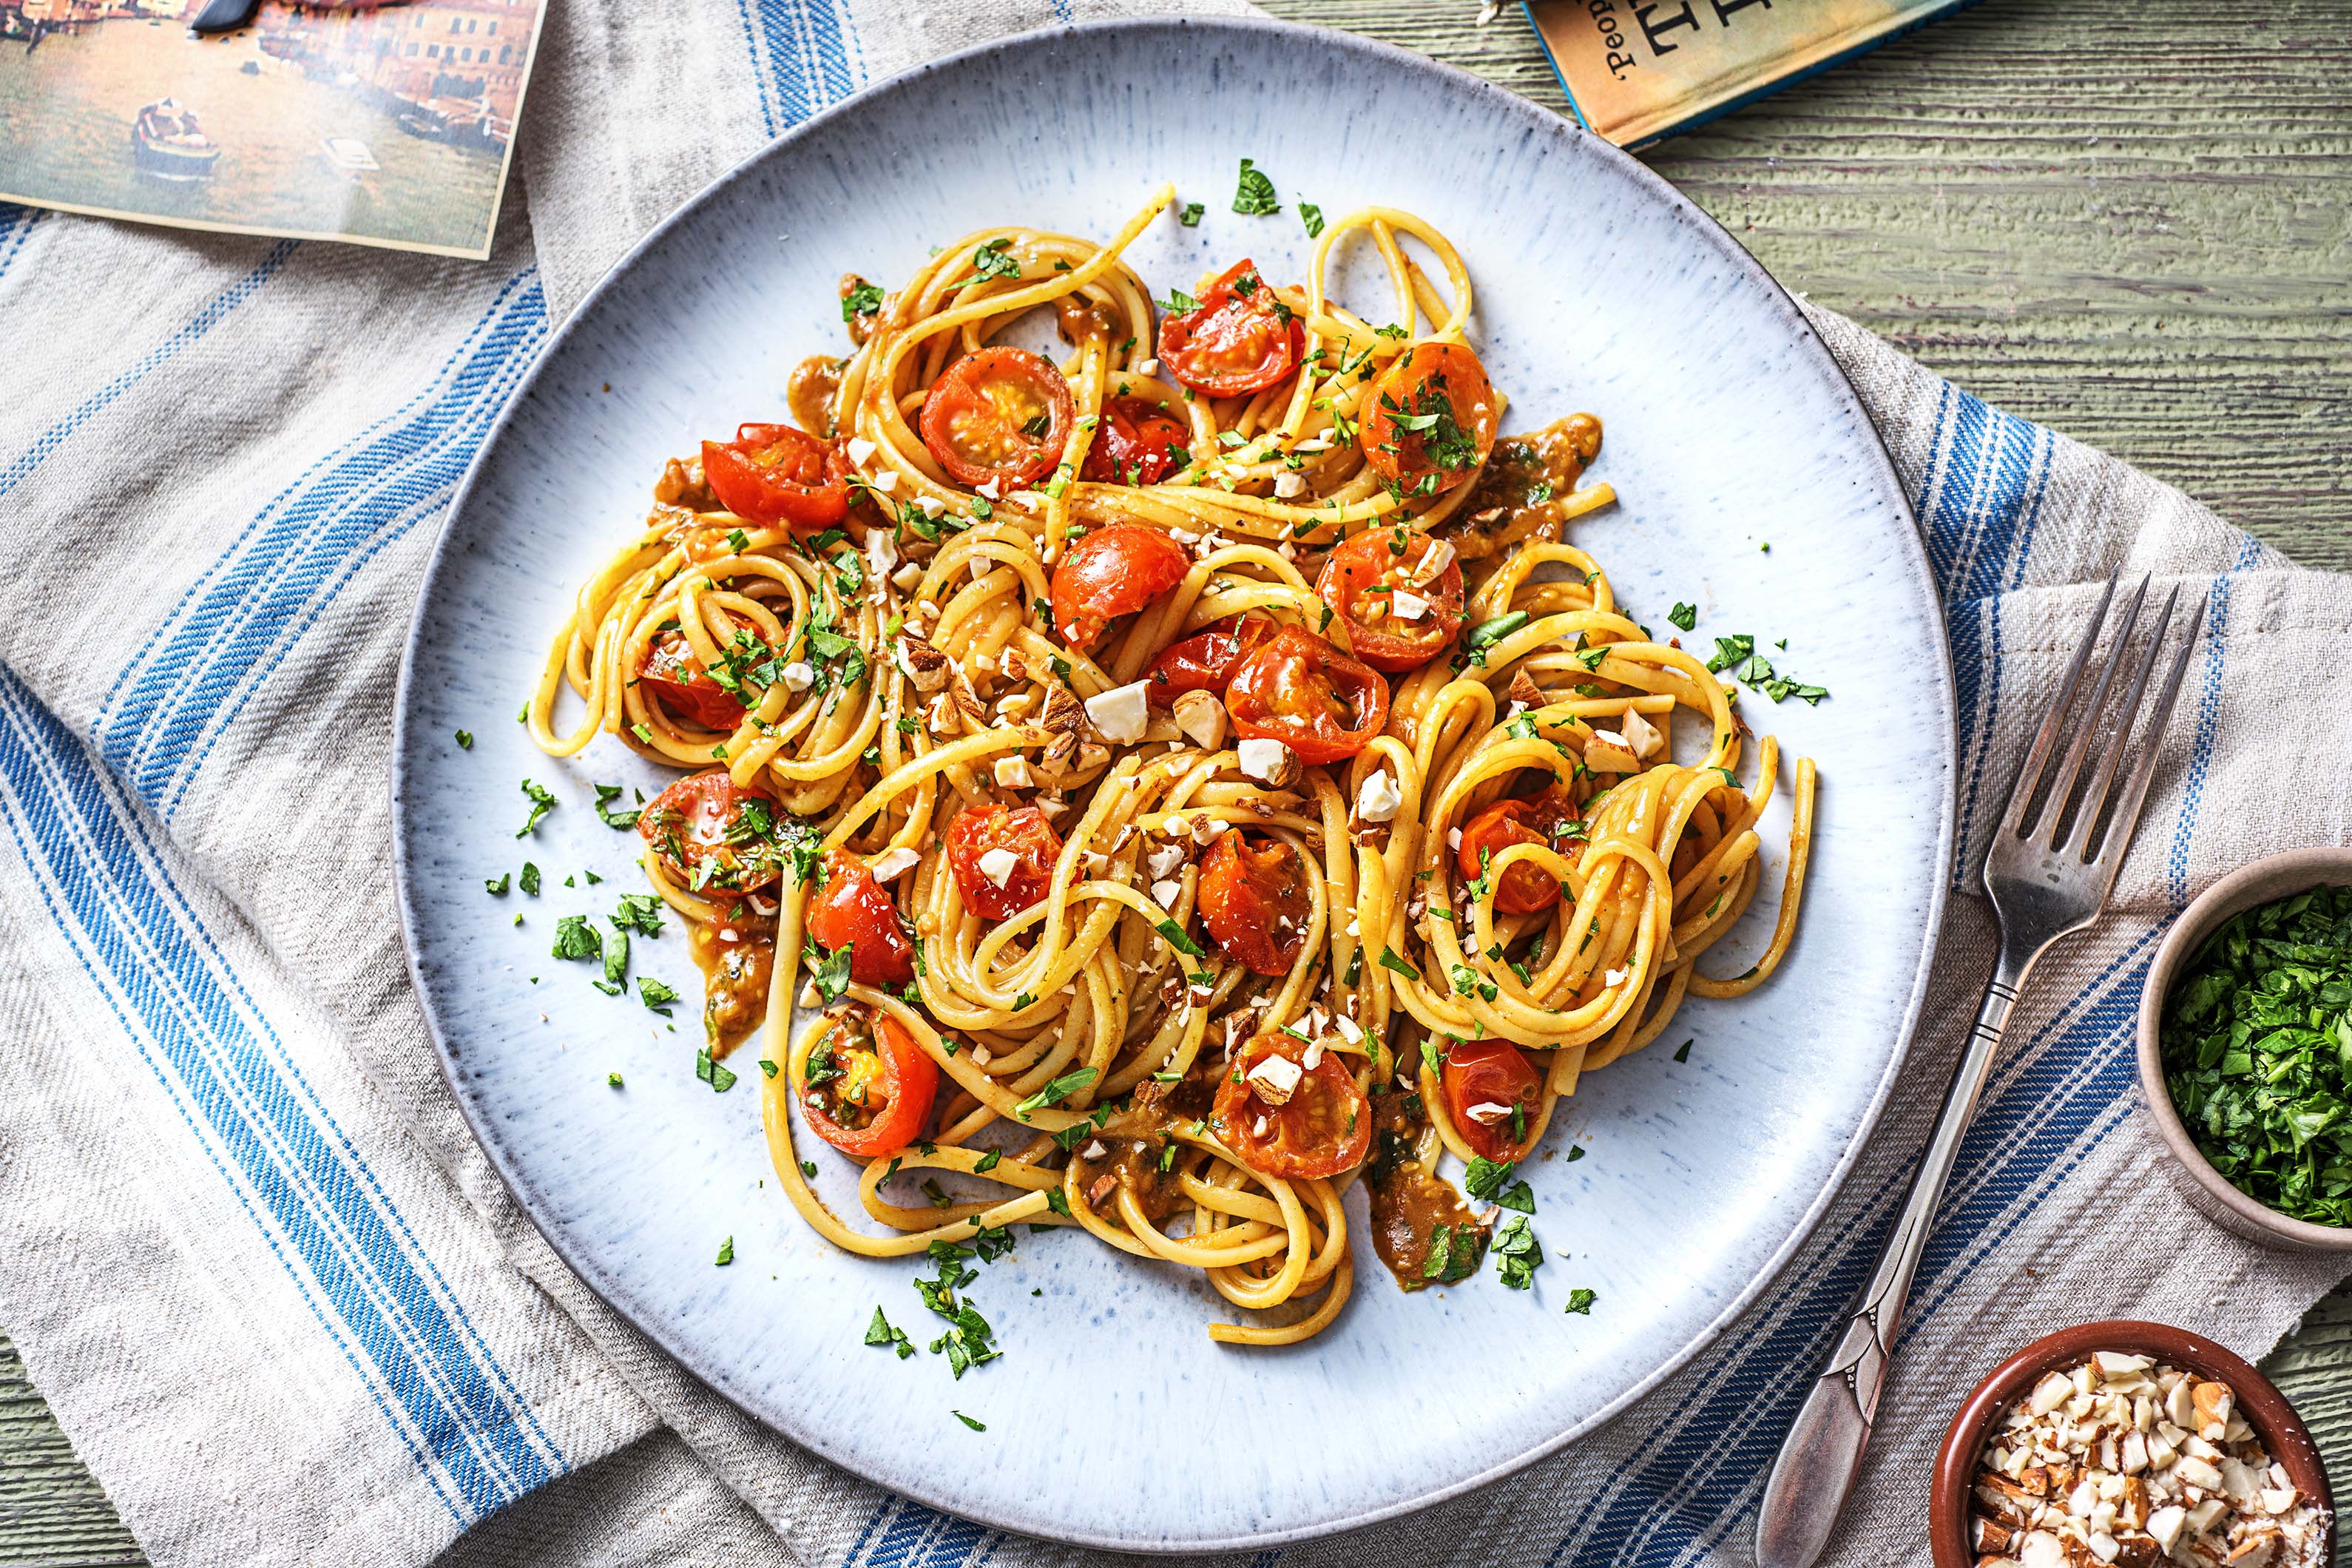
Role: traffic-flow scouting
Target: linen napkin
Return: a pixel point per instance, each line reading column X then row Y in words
column 270, row 1285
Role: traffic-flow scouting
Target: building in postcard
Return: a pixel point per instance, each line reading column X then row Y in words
column 457, row 65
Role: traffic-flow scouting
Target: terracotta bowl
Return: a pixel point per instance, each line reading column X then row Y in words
column 2283, row 1433
column 2277, row 876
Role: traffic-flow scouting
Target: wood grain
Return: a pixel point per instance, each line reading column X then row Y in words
column 2133, row 224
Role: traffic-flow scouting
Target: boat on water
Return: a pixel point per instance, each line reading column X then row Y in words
column 168, row 142
column 349, row 156
column 458, row 122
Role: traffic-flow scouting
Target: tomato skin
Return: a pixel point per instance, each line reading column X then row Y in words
column 1525, row 889
column 669, row 669
column 1132, row 445
column 1234, row 340
column 1370, row 561
column 1430, row 378
column 908, row 1078
column 1022, row 832
column 1490, row 1072
column 853, row 908
column 1254, row 903
column 1289, row 689
column 773, row 473
column 974, row 416
column 1113, row 571
column 1206, row 660
column 1325, row 1128
column 699, row 811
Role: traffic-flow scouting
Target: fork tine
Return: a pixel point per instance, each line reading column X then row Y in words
column 2094, row 796
column 2116, row 841
column 2054, row 806
column 2029, row 773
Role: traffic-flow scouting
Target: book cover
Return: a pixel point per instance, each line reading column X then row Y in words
column 1637, row 71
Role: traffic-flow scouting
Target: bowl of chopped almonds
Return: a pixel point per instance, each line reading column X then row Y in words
column 2129, row 1444
column 2245, row 1050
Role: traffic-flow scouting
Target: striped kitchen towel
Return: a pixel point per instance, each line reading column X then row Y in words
column 268, row 1281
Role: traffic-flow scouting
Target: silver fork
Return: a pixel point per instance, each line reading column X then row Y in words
column 2053, row 860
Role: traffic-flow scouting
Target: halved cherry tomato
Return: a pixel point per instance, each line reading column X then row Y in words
column 1300, row 690
column 1206, row 660
column 869, row 1084
column 1373, row 578
column 1023, row 834
column 1432, row 420
column 1254, row 899
column 712, row 834
column 685, row 684
column 1139, row 443
column 1002, row 414
column 1489, row 1078
column 774, row 473
column 1240, row 338
column 1525, row 889
column 1322, row 1128
column 853, row 912
column 1113, row 571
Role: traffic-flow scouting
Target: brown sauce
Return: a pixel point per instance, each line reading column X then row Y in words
column 1518, row 491
column 809, row 393
column 1079, row 318
column 861, row 324
column 735, row 976
column 1408, row 1204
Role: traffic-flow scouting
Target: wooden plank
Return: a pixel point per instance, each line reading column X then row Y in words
column 2129, row 225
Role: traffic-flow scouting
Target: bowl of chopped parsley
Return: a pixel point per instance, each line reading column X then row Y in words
column 2245, row 1049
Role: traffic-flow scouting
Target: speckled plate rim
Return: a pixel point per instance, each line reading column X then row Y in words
column 932, row 1486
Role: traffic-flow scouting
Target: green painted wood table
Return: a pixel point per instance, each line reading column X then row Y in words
column 2131, row 222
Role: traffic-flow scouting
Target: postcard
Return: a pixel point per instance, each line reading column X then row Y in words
column 385, row 122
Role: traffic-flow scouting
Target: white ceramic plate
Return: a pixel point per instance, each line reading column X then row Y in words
column 1599, row 289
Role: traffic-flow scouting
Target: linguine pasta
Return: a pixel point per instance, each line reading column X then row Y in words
column 1242, row 960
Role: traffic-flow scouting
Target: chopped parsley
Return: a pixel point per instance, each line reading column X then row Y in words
column 1682, row 1052
column 969, row 1341
column 542, row 801
column 862, row 301
column 2256, row 1045
column 576, row 938
column 1190, row 215
column 464, row 740
column 499, row 884
column 1517, row 1254
column 1312, row 216
column 991, row 260
column 975, row 1425
column 529, row 880
column 1684, row 615
column 1581, row 1301
column 1454, row 1253
column 1254, row 196
column 605, row 796
column 831, row 977
column 613, row 1078
column 1486, row 634
column 659, row 997
column 1390, row 960
column 639, row 912
column 716, row 1074
column 880, row 1332
column 726, row 1252
column 1056, row 1091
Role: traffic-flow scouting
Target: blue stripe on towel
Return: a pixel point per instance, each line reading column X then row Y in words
column 205, row 321
column 16, row 224
column 804, row 56
column 193, row 678
column 345, row 1248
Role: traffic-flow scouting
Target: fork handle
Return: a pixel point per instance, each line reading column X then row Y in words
column 1821, row 1456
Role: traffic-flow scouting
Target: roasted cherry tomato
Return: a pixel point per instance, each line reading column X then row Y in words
column 1206, row 660
column 1238, row 339
column 867, row 1086
column 1002, row 414
column 853, row 912
column 1025, row 835
column 1401, row 593
column 1445, row 385
column 1526, row 888
column 1139, row 443
column 1113, row 571
column 712, row 835
column 774, row 473
column 1304, row 1122
column 1483, row 1080
column 1300, row 690
column 685, row 684
column 1254, row 899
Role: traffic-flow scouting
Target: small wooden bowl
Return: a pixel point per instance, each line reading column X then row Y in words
column 2271, row 878
column 2281, row 1431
